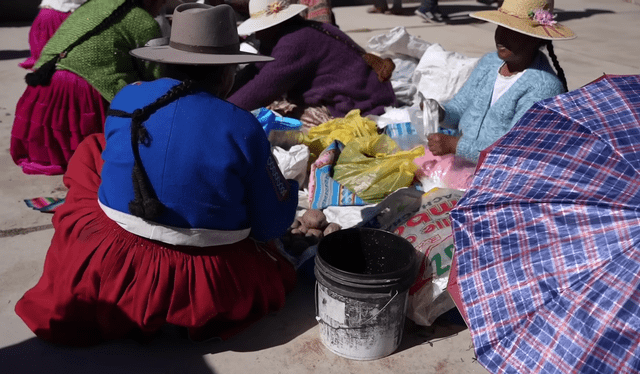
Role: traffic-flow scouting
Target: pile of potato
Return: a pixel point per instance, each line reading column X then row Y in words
column 307, row 230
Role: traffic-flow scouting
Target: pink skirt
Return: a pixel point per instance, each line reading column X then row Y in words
column 42, row 29
column 52, row 120
column 101, row 282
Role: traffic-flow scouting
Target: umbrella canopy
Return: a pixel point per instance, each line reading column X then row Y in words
column 547, row 238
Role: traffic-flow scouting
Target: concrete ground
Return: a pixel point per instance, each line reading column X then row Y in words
column 288, row 341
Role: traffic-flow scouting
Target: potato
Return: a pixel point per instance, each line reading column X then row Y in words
column 332, row 227
column 300, row 230
column 315, row 232
column 314, row 219
column 296, row 223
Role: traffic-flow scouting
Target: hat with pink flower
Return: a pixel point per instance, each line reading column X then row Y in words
column 530, row 17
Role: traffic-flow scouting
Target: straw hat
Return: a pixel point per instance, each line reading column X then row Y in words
column 530, row 17
column 201, row 34
column 267, row 13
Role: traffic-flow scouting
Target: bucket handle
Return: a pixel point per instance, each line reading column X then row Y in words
column 362, row 325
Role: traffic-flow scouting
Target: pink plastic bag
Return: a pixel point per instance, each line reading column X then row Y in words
column 447, row 171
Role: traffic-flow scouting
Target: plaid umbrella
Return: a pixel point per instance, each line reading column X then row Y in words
column 547, row 238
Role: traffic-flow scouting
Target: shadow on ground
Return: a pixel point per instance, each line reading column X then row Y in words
column 171, row 352
column 13, row 54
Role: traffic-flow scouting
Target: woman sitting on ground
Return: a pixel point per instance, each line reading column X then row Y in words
column 51, row 15
column 506, row 83
column 168, row 212
column 79, row 71
column 316, row 66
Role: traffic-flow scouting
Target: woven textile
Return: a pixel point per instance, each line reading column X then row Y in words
column 44, row 204
column 319, row 10
column 547, row 238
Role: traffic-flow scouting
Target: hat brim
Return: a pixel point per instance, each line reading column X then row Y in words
column 254, row 24
column 526, row 26
column 167, row 55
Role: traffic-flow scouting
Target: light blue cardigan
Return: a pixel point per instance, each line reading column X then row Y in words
column 481, row 123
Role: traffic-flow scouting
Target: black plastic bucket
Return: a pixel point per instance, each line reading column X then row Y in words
column 363, row 278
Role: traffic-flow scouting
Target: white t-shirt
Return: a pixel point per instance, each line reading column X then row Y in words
column 503, row 83
column 62, row 5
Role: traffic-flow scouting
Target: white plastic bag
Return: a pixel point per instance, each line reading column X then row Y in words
column 440, row 74
column 293, row 163
column 398, row 41
column 406, row 51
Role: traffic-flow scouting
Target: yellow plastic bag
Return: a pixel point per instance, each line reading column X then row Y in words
column 375, row 166
column 343, row 129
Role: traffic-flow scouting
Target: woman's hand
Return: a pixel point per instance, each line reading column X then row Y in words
column 441, row 144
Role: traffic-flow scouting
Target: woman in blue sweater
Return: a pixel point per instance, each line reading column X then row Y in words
column 505, row 83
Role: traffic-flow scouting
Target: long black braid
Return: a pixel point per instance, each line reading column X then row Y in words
column 146, row 204
column 42, row 76
column 556, row 64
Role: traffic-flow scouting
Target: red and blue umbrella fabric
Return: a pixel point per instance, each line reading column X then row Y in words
column 547, row 238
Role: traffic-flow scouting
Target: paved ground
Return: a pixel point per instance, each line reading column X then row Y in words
column 288, row 341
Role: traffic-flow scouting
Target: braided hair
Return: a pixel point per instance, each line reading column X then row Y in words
column 556, row 65
column 146, row 204
column 42, row 76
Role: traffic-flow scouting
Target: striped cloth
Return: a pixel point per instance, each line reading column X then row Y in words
column 44, row 204
column 548, row 238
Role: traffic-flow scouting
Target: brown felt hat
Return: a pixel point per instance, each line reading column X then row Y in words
column 201, row 34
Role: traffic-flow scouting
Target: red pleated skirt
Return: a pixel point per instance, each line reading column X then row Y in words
column 52, row 120
column 42, row 29
column 101, row 282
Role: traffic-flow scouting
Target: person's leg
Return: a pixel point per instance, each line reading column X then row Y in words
column 435, row 9
column 429, row 11
column 425, row 6
column 397, row 7
column 379, row 6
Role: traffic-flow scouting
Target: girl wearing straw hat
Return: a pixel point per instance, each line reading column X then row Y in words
column 505, row 83
column 316, row 65
column 168, row 212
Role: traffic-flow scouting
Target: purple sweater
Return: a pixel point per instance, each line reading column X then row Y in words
column 315, row 69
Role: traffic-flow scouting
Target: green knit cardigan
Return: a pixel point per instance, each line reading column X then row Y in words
column 104, row 60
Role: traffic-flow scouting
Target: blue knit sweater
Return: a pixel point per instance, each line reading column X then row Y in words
column 208, row 161
column 481, row 123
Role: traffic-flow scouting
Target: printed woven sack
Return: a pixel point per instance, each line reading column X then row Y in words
column 422, row 219
column 325, row 191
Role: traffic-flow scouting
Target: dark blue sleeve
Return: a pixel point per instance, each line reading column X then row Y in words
column 271, row 199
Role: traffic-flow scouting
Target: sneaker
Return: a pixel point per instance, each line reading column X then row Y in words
column 430, row 17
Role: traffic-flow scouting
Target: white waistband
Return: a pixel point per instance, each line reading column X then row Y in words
column 174, row 235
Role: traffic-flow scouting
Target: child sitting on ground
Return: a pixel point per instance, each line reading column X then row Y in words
column 504, row 84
